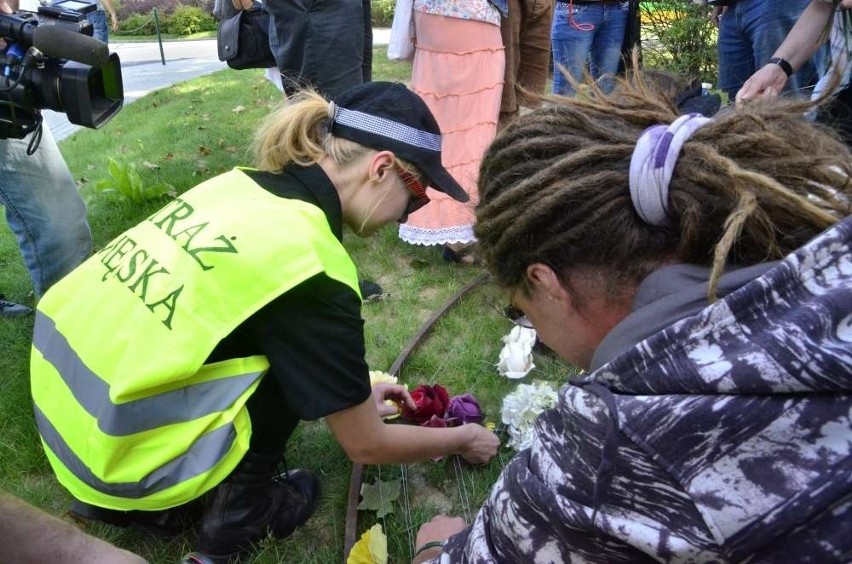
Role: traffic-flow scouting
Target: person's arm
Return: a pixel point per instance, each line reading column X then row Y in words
column 799, row 46
column 368, row 440
column 107, row 4
column 28, row 535
column 8, row 6
column 242, row 4
column 313, row 336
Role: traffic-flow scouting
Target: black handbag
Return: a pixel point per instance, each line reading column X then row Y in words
column 243, row 40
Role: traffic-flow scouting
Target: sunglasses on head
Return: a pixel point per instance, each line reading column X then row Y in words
column 415, row 187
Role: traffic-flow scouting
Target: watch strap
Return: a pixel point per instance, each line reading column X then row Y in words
column 784, row 64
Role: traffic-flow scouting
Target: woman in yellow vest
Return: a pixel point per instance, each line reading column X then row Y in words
column 230, row 315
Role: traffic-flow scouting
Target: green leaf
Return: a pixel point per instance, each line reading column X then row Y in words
column 379, row 496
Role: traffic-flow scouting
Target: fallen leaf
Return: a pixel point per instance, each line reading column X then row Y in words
column 150, row 166
column 239, row 109
column 204, row 150
column 379, row 496
column 169, row 156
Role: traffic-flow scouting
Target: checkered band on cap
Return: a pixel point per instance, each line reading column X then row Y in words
column 387, row 128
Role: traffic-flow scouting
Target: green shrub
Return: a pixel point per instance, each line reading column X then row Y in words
column 382, row 12
column 127, row 183
column 137, row 24
column 186, row 20
column 678, row 37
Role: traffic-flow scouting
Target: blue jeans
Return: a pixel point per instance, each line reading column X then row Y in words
column 99, row 22
column 587, row 34
column 750, row 32
column 43, row 209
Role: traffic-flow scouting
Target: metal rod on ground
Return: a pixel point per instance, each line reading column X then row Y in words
column 159, row 37
column 357, row 475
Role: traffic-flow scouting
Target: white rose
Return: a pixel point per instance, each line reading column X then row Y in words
column 522, row 335
column 515, row 360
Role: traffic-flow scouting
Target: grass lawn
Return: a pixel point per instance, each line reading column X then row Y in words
column 192, row 131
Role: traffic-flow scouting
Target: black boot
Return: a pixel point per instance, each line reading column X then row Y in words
column 167, row 522
column 253, row 502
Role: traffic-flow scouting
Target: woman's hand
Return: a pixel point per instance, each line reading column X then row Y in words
column 396, row 393
column 480, row 444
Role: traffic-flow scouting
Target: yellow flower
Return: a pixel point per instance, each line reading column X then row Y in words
column 372, row 548
column 377, row 376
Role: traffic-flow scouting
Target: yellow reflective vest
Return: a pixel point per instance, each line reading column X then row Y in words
column 130, row 415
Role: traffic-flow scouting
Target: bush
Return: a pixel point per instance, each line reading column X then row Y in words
column 382, row 12
column 137, row 24
column 186, row 20
column 127, row 8
column 678, row 37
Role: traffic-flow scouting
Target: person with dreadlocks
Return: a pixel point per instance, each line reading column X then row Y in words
column 698, row 270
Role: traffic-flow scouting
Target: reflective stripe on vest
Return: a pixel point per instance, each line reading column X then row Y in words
column 143, row 414
column 130, row 415
column 203, row 455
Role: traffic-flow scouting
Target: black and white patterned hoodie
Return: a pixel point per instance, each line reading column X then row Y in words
column 723, row 437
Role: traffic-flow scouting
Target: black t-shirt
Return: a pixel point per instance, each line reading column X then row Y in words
column 313, row 335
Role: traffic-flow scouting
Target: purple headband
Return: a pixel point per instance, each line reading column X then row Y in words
column 653, row 163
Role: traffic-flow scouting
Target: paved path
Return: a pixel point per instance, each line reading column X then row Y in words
column 143, row 71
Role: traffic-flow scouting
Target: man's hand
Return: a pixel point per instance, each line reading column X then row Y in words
column 242, row 4
column 5, row 8
column 440, row 528
column 716, row 13
column 480, row 445
column 768, row 81
column 396, row 393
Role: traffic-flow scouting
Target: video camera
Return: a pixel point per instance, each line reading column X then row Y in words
column 52, row 61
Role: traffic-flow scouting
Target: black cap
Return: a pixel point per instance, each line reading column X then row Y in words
column 387, row 116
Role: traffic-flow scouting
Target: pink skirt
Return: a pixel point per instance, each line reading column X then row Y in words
column 458, row 70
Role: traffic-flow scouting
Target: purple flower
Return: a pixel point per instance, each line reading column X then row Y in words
column 463, row 409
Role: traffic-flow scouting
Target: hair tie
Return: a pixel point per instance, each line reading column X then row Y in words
column 652, row 166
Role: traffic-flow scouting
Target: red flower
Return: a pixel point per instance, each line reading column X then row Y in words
column 429, row 401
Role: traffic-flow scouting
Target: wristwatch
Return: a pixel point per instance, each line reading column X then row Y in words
column 784, row 64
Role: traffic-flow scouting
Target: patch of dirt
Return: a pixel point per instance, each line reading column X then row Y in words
column 425, row 495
